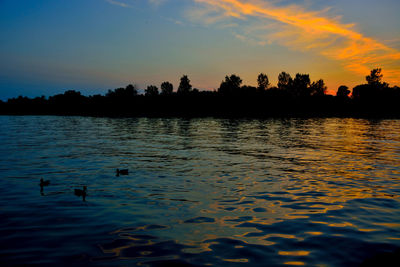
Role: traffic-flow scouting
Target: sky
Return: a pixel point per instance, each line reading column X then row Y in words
column 50, row 46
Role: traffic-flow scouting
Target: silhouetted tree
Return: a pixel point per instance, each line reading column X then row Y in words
column 166, row 88
column 123, row 93
column 300, row 86
column 375, row 77
column 72, row 94
column 151, row 90
column 184, row 86
column 343, row 91
column 318, row 88
column 294, row 97
column 263, row 82
column 284, row 80
column 231, row 85
column 69, row 96
column 131, row 90
column 70, row 102
column 362, row 91
column 374, row 89
column 22, row 100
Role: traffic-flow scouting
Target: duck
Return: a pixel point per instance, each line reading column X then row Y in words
column 81, row 193
column 43, row 182
column 122, row 172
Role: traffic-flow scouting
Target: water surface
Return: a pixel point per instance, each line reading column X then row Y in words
column 276, row 192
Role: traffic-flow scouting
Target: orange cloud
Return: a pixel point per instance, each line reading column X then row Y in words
column 301, row 29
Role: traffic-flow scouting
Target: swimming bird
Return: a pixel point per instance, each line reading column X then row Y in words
column 122, row 172
column 43, row 182
column 81, row 193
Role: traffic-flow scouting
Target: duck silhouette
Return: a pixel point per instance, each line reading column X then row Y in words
column 122, row 172
column 43, row 183
column 81, row 193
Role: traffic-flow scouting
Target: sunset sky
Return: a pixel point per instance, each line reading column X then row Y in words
column 49, row 46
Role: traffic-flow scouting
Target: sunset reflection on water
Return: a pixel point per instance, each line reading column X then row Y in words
column 201, row 191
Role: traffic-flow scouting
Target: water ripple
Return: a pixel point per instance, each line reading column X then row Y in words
column 220, row 192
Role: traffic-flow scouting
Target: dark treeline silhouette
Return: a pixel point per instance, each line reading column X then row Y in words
column 297, row 96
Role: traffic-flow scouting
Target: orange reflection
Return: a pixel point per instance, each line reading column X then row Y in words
column 394, row 225
column 314, row 233
column 394, row 238
column 294, row 253
column 366, row 230
column 297, row 263
column 344, row 224
column 280, row 235
column 318, row 177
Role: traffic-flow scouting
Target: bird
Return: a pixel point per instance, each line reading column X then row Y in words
column 122, row 172
column 81, row 193
column 42, row 184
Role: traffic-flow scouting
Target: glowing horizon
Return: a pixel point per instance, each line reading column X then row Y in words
column 97, row 45
column 311, row 30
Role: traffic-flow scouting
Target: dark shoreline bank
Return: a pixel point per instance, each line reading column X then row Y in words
column 296, row 97
column 204, row 104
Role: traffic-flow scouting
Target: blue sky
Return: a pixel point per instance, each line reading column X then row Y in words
column 49, row 46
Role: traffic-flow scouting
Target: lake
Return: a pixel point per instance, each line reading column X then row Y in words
column 271, row 192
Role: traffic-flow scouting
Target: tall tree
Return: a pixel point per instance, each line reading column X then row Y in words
column 301, row 85
column 166, row 88
column 151, row 90
column 263, row 82
column 231, row 85
column 374, row 89
column 123, row 93
column 375, row 77
column 343, row 91
column 184, row 86
column 318, row 88
column 284, row 80
column 131, row 90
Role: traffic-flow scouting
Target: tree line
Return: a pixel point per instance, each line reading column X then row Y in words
column 292, row 96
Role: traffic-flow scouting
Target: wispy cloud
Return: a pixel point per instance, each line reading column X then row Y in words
column 118, row 3
column 156, row 2
column 301, row 29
